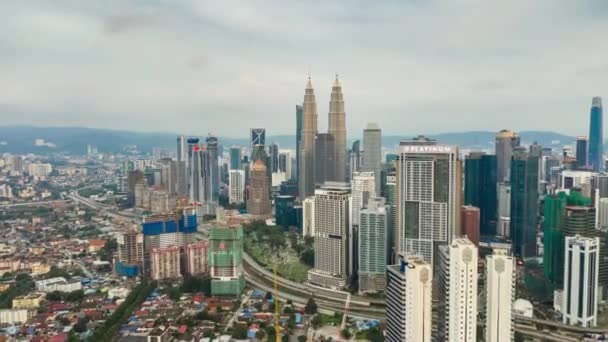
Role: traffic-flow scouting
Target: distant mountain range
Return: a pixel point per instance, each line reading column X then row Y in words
column 74, row 140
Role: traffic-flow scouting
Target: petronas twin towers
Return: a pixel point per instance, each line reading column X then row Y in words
column 335, row 159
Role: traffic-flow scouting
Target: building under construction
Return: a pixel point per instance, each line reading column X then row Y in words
column 225, row 261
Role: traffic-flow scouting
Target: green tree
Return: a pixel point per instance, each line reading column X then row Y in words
column 316, row 321
column 81, row 325
column 107, row 251
column 74, row 296
column 311, row 306
column 308, row 257
column 346, row 334
column 239, row 332
column 55, row 296
column 302, row 338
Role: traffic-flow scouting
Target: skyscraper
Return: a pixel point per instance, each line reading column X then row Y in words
column 354, row 159
column 258, row 202
column 196, row 177
column 596, row 137
column 363, row 188
column 235, row 158
column 308, row 217
column 273, row 153
column 408, row 301
column 182, row 149
column 337, row 128
column 324, row 158
column 500, row 292
column 213, row 169
column 505, row 142
column 333, row 252
column 524, row 203
column 299, row 126
column 306, row 167
column 581, row 151
column 428, row 196
column 581, row 268
column 470, row 223
column 371, row 159
column 258, row 136
column 236, row 184
column 480, row 188
column 458, row 291
column 390, row 193
column 373, row 238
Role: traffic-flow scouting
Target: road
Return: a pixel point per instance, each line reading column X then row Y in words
column 32, row 204
column 106, row 209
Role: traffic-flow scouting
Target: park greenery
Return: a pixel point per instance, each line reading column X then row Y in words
column 108, row 329
column 22, row 286
column 270, row 246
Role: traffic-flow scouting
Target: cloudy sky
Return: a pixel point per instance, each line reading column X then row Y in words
column 417, row 66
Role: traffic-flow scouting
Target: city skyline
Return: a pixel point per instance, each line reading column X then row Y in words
column 183, row 61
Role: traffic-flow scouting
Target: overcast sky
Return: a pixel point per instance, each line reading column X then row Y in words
column 224, row 66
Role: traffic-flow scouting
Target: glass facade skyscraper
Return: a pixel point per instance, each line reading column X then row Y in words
column 596, row 138
column 524, row 203
column 480, row 189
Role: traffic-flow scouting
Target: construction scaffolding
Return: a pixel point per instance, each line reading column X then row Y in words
column 225, row 255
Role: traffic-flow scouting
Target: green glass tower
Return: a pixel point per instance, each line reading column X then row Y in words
column 480, row 189
column 524, row 203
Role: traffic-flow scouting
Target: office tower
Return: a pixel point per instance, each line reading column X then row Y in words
column 602, row 220
column 371, row 159
column 130, row 253
column 373, row 238
column 363, row 188
column 470, row 218
column 306, row 167
column 258, row 200
column 225, row 261
column 457, row 313
column 258, row 136
column 324, row 158
column 337, row 128
column 164, row 230
column 273, row 153
column 408, row 301
column 182, row 149
column 214, row 170
column 196, row 257
column 196, row 183
column 165, row 263
column 596, row 140
column 333, row 253
column 500, row 293
column 285, row 164
column 354, row 159
column 599, row 182
column 480, row 188
column 505, row 142
column 524, row 203
column 308, row 215
column 15, row 163
column 390, row 193
column 235, row 158
column 285, row 213
column 236, row 184
column 581, row 151
column 504, row 210
column 581, row 268
column 428, row 196
column 299, row 127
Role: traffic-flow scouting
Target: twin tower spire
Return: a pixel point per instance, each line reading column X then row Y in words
column 334, row 159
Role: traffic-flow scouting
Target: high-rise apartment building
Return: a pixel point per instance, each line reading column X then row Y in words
column 363, row 188
column 524, row 203
column 196, row 257
column 480, row 188
column 408, row 301
column 130, row 253
column 213, row 170
column 235, row 158
column 596, row 137
column 258, row 200
column 306, row 168
column 457, row 314
column 324, row 158
column 225, row 261
column 581, row 293
column 236, row 185
column 581, row 151
column 337, row 128
column 182, row 149
column 333, row 250
column 506, row 141
column 500, row 294
column 371, row 158
column 165, row 263
column 373, row 239
column 428, row 196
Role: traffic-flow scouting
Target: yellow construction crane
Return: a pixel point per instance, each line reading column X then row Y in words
column 277, row 316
